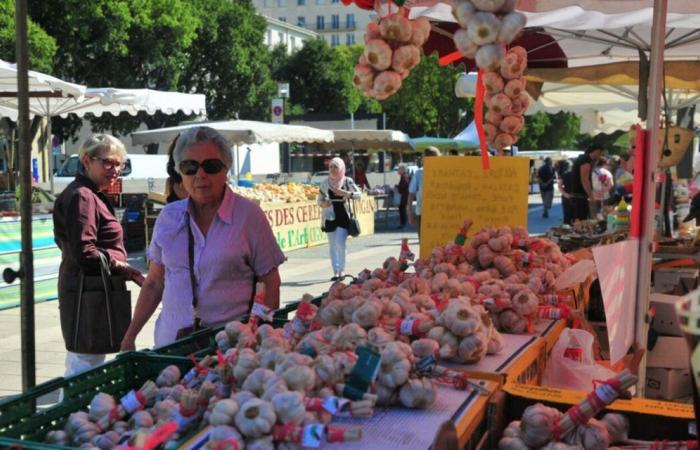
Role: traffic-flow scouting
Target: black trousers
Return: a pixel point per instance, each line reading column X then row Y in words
column 581, row 208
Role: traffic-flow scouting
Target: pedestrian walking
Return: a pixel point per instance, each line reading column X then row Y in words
column 336, row 193
column 581, row 189
column 415, row 191
column 546, row 176
column 402, row 189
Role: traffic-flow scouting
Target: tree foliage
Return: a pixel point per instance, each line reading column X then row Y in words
column 426, row 104
column 42, row 47
column 207, row 46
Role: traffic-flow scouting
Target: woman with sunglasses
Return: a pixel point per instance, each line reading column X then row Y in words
column 207, row 251
column 85, row 227
column 336, row 193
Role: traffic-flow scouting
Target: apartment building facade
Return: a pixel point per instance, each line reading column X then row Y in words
column 336, row 23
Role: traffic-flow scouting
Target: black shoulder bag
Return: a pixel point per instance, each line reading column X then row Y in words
column 98, row 300
column 354, row 229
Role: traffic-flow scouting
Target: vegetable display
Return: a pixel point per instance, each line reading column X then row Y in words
column 278, row 193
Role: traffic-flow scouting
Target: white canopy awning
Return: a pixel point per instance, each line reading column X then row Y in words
column 241, row 132
column 599, row 31
column 50, row 97
column 362, row 139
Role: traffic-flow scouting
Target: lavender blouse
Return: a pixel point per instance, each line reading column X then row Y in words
column 238, row 246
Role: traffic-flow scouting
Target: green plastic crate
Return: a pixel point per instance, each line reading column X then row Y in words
column 20, row 419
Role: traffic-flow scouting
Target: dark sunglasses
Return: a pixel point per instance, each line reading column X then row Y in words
column 210, row 166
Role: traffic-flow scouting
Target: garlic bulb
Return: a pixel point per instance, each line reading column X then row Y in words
column 511, row 24
column 395, row 27
column 464, row 44
column 463, row 11
column 378, row 54
column 488, row 5
column 363, row 77
column 386, row 84
column 421, row 31
column 489, row 57
column 483, row 28
column 405, row 58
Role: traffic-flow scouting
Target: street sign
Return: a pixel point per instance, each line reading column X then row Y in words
column 277, row 110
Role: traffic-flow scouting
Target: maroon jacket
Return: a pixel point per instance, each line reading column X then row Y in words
column 85, row 224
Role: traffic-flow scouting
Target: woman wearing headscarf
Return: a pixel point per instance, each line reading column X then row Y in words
column 208, row 250
column 336, row 193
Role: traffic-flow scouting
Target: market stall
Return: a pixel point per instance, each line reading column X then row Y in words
column 400, row 350
column 291, row 208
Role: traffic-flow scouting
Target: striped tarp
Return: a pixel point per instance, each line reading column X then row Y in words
column 47, row 259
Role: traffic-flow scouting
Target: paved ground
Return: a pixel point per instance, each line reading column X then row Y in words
column 307, row 270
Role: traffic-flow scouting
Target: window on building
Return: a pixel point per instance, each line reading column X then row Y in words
column 335, row 40
column 320, row 2
column 301, row 21
column 350, row 18
column 350, row 38
column 282, row 19
column 320, row 23
column 267, row 3
column 301, row 2
column 335, row 21
column 281, row 3
column 335, row 1
column 280, row 37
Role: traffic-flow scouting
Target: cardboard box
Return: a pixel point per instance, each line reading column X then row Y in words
column 668, row 384
column 666, row 319
column 670, row 352
column 668, row 278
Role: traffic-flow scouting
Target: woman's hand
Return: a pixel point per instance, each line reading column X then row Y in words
column 128, row 271
column 326, row 203
column 128, row 344
column 339, row 192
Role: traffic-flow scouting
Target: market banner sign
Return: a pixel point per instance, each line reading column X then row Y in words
column 298, row 225
column 456, row 188
column 617, row 271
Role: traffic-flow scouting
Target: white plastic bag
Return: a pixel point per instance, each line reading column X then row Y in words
column 571, row 365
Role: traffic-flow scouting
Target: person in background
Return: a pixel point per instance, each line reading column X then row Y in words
column 546, row 176
column 402, row 189
column 602, row 184
column 581, row 189
column 208, row 251
column 415, row 190
column 174, row 189
column 85, row 226
column 564, row 179
column 336, row 193
column 361, row 176
column 453, row 152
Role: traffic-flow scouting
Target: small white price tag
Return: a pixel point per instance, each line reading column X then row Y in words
column 406, row 326
column 312, row 435
column 606, row 393
column 262, row 311
column 131, row 403
column 334, row 405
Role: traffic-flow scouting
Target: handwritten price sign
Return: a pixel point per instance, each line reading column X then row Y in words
column 617, row 272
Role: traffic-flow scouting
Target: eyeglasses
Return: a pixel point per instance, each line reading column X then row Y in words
column 210, row 166
column 108, row 164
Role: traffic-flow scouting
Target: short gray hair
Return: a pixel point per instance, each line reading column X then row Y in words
column 200, row 135
column 102, row 145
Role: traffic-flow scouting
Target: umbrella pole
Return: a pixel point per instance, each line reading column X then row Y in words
column 648, row 193
column 25, row 173
column 49, row 141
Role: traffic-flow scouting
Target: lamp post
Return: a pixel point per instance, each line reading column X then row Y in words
column 283, row 93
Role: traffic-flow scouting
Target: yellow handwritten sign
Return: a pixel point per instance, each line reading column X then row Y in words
column 457, row 188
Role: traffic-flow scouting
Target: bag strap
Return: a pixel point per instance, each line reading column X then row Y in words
column 107, row 285
column 193, row 279
column 352, row 206
column 78, row 308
